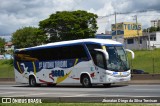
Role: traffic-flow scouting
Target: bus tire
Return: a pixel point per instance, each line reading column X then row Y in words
column 32, row 81
column 86, row 81
column 107, row 85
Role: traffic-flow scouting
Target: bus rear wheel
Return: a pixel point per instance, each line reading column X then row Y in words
column 86, row 81
column 32, row 82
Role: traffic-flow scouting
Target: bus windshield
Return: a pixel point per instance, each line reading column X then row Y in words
column 117, row 59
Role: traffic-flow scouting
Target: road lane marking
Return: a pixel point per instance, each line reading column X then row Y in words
column 7, row 93
column 148, row 89
column 15, row 88
column 79, row 95
column 25, row 95
column 102, row 95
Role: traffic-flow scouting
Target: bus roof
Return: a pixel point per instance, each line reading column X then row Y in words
column 63, row 43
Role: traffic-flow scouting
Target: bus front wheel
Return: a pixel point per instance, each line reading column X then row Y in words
column 86, row 81
column 32, row 81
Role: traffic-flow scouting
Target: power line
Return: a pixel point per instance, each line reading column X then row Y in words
column 149, row 15
column 123, row 13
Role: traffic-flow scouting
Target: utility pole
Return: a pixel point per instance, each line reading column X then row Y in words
column 137, row 32
column 116, row 25
column 148, row 39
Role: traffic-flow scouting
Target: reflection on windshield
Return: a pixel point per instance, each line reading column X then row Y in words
column 117, row 59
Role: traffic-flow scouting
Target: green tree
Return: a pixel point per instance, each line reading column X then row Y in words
column 69, row 25
column 158, row 28
column 2, row 43
column 144, row 30
column 152, row 29
column 28, row 37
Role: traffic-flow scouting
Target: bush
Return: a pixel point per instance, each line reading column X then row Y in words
column 8, row 62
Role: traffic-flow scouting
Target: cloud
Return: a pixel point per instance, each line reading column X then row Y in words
column 144, row 9
column 19, row 13
column 15, row 14
column 138, row 5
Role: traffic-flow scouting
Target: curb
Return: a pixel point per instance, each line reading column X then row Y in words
column 7, row 79
column 145, row 77
column 141, row 82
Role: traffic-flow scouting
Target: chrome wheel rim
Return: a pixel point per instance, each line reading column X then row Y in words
column 86, row 81
column 32, row 82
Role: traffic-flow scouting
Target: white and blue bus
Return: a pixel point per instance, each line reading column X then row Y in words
column 85, row 61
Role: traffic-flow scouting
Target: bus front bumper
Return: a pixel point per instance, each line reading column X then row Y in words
column 118, row 77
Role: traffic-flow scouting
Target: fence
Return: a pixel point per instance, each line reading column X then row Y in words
column 147, row 60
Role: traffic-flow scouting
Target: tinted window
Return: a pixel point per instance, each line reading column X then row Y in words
column 57, row 53
column 140, row 41
column 130, row 41
column 91, row 48
column 24, row 56
column 100, row 61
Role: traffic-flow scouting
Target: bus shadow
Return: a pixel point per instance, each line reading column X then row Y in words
column 71, row 86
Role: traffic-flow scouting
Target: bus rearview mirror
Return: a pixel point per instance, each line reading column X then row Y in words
column 104, row 52
column 132, row 53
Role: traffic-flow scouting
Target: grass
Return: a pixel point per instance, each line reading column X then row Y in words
column 6, row 69
column 149, row 61
column 77, row 104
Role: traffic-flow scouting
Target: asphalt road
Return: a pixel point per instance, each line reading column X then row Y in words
column 78, row 91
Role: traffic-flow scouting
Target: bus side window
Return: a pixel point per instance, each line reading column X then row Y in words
column 93, row 53
column 100, row 61
column 78, row 51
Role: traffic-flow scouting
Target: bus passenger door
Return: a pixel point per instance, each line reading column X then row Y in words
column 99, row 61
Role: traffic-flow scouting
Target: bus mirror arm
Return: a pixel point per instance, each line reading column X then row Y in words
column 104, row 52
column 132, row 53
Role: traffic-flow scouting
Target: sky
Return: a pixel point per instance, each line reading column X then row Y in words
column 16, row 14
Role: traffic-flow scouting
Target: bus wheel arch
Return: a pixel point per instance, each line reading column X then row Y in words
column 32, row 81
column 85, row 80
